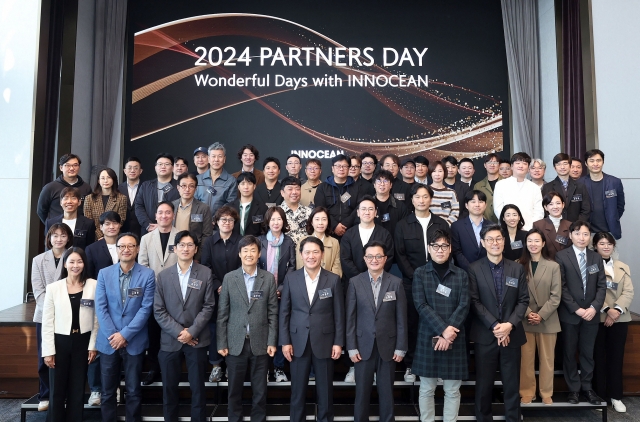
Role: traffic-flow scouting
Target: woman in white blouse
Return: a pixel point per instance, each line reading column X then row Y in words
column 69, row 329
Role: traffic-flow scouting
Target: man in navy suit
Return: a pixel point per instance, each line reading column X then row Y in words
column 103, row 253
column 132, row 171
column 312, row 329
column 465, row 233
column 124, row 303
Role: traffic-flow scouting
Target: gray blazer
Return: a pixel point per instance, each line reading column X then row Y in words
column 151, row 251
column 43, row 273
column 385, row 321
column 174, row 313
column 236, row 312
column 202, row 227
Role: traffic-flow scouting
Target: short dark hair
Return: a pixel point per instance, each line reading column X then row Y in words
column 226, row 210
column 504, row 161
column 578, row 224
column 97, row 189
column 184, row 161
column 315, row 211
column 486, row 228
column 394, row 157
column 420, row 159
column 376, row 244
column 491, row 156
column 340, row 157
column 188, row 176
column 165, row 155
column 110, row 216
column 525, row 259
column 251, row 148
column 295, row 156
column 63, row 160
column 357, row 158
column 561, row 156
column 246, row 176
column 269, row 214
column 366, row 198
column 311, row 239
column 84, row 276
column 185, row 233
column 546, row 200
column 417, row 186
column 271, row 160
column 465, row 160
column 451, row 160
column 70, row 190
column 503, row 212
column 521, row 156
column 166, row 203
column 472, row 193
column 593, row 152
column 369, row 155
column 440, row 234
column 313, row 161
column 125, row 234
column 383, row 174
column 576, row 159
column 290, row 181
column 249, row 240
column 59, row 226
column 603, row 235
column 132, row 158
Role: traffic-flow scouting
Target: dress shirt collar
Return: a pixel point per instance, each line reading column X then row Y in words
column 498, row 266
column 186, row 272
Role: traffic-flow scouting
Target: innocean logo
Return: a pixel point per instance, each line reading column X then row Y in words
column 317, row 153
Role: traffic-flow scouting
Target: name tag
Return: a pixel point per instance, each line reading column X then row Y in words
column 345, row 197
column 325, row 293
column 389, row 296
column 399, row 196
column 88, row 303
column 576, row 198
column 516, row 245
column 312, row 205
column 385, row 218
column 80, row 233
column 562, row 240
column 256, row 294
column 167, row 188
column 446, row 204
column 610, row 193
column 611, row 285
column 593, row 269
column 270, row 204
column 512, row 282
column 135, row 292
column 194, row 283
column 257, row 219
column 171, row 248
column 443, row 290
column 212, row 190
column 196, row 218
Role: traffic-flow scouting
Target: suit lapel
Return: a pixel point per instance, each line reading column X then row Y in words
column 156, row 244
column 576, row 264
column 383, row 289
column 257, row 285
column 111, row 203
column 488, row 278
column 239, row 282
column 303, row 289
column 132, row 283
column 321, row 285
column 175, row 280
column 105, row 249
column 365, row 284
column 470, row 233
column 50, row 265
column 170, row 242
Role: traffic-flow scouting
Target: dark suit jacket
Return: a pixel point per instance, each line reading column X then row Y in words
column 514, row 254
column 256, row 208
column 551, row 243
column 84, row 233
column 131, row 224
column 461, row 190
column 221, row 257
column 352, row 250
column 321, row 321
column 464, row 246
column 573, row 294
column 193, row 312
column 99, row 257
column 200, row 229
column 484, row 303
column 287, row 261
column 263, row 196
column 385, row 320
column 577, row 204
column 614, row 202
column 146, row 202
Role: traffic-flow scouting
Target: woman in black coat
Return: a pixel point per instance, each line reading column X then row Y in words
column 512, row 223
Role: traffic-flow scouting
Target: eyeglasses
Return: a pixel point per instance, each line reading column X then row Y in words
column 341, row 167
column 367, row 163
column 186, row 245
column 69, row 166
column 354, row 167
column 313, row 168
column 163, row 164
column 367, row 209
column 128, row 168
column 491, row 240
column 123, row 248
column 187, row 187
column 227, row 220
column 374, row 257
column 436, row 247
column 382, row 182
column 493, row 163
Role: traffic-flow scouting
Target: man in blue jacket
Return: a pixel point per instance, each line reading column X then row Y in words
column 124, row 302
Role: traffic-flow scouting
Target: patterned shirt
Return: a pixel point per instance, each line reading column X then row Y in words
column 497, row 271
column 297, row 221
column 125, row 279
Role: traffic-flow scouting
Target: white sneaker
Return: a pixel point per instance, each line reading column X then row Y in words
column 618, row 406
column 279, row 375
column 43, row 405
column 409, row 377
column 216, row 374
column 95, row 399
column 375, row 378
column 351, row 375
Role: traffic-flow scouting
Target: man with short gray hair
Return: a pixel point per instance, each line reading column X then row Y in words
column 216, row 187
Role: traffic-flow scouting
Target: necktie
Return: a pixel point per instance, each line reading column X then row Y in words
column 583, row 272
column 565, row 185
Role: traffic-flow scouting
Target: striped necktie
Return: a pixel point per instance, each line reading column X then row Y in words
column 583, row 272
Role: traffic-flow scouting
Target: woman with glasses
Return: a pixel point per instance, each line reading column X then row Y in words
column 614, row 322
column 554, row 227
column 69, row 330
column 511, row 222
column 319, row 225
column 444, row 203
column 191, row 214
column 105, row 197
column 541, row 323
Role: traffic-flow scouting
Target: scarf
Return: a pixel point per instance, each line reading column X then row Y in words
column 273, row 253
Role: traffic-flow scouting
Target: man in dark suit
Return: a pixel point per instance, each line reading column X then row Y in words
column 584, row 288
column 499, row 299
column 376, row 309
column 465, row 233
column 152, row 192
column 129, row 188
column 312, row 329
column 247, row 329
column 576, row 196
column 183, row 306
column 83, row 228
column 104, row 252
column 249, row 207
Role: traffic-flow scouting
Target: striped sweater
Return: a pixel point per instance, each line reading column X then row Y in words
column 445, row 204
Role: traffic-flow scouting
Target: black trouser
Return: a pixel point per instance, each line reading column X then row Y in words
column 43, row 370
column 154, row 344
column 580, row 338
column 110, row 369
column 238, row 367
column 488, row 358
column 300, row 368
column 412, row 320
column 68, row 377
column 364, row 385
column 171, row 367
column 609, row 356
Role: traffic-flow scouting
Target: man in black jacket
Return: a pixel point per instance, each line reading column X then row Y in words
column 340, row 195
column 130, row 188
column 389, row 210
column 576, row 196
column 249, row 207
column 152, row 192
column 83, row 228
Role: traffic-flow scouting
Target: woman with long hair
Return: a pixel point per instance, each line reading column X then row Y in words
column 319, row 225
column 512, row 222
column 444, row 203
column 554, row 227
column 105, row 197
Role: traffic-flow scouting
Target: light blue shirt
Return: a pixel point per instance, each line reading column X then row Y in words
column 476, row 229
column 249, row 281
column 184, row 279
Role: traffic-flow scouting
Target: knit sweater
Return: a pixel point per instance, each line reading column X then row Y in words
column 445, row 204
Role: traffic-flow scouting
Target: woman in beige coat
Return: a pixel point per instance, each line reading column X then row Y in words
column 541, row 324
column 614, row 322
column 319, row 225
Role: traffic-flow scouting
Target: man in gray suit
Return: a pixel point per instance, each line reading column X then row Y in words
column 312, row 329
column 183, row 306
column 376, row 309
column 248, row 301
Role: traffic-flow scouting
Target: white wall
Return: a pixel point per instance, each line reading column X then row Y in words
column 19, row 31
column 616, row 37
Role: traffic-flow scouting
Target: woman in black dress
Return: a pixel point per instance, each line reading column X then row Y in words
column 512, row 223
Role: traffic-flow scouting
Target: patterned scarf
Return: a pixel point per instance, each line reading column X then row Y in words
column 273, row 253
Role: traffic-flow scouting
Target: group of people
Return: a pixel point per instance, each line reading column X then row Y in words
column 385, row 261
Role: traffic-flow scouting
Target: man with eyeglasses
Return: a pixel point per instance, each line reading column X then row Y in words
column 499, row 299
column 441, row 296
column 340, row 195
column 183, row 305
column 191, row 214
column 216, row 187
column 376, row 332
column 389, row 210
column 129, row 188
column 576, row 197
column 488, row 184
column 152, row 192
column 157, row 251
column 294, row 165
column 369, row 163
column 400, row 190
column 49, row 199
column 124, row 303
column 313, row 170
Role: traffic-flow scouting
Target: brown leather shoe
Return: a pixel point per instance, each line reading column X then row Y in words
column 526, row 400
column 547, row 400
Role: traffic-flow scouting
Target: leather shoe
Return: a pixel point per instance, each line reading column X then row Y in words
column 593, row 398
column 573, row 398
column 150, row 378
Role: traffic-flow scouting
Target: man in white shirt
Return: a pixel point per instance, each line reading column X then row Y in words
column 519, row 191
